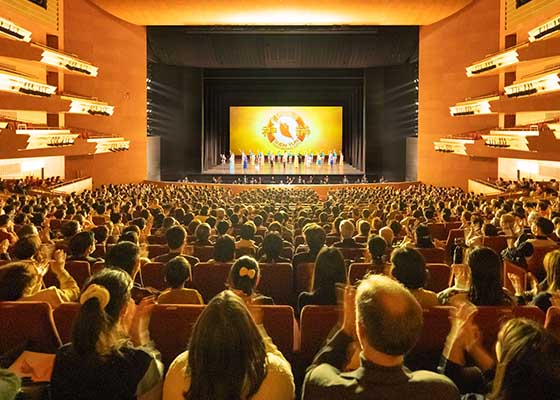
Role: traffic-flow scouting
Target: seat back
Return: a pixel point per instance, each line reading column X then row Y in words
column 428, row 349
column 511, row 268
column 157, row 239
column 535, row 262
column 352, row 254
column 437, row 230
column 277, row 281
column 29, row 323
column 64, row 317
column 100, row 251
column 356, row 271
column 491, row 319
column 497, row 243
column 331, row 239
column 303, row 277
column 316, row 323
column 79, row 270
column 438, row 279
column 156, row 250
column 433, row 255
column 153, row 275
column 171, row 327
column 552, row 322
column 279, row 324
column 203, row 253
column 287, row 252
column 244, row 251
column 210, row 278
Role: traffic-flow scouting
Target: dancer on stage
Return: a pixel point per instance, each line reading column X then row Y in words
column 231, row 159
column 341, row 158
column 252, row 155
column 244, row 160
column 223, row 158
column 334, row 157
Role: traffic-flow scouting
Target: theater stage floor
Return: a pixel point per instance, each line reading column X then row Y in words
column 279, row 169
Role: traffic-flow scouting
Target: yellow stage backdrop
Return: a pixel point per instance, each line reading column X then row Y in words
column 291, row 129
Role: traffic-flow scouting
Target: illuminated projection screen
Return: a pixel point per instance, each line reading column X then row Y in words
column 292, row 129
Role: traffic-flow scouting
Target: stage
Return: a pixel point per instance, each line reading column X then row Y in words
column 279, row 169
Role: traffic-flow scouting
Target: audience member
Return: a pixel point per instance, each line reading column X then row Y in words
column 387, row 321
column 110, row 354
column 230, row 356
column 177, row 274
column 243, row 280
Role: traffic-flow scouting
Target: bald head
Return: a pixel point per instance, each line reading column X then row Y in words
column 389, row 315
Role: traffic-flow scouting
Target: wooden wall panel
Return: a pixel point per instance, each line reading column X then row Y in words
column 446, row 48
column 119, row 50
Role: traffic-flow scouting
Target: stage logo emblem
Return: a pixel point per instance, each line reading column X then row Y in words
column 286, row 130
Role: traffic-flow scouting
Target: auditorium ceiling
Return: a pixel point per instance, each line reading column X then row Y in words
column 282, row 12
column 286, row 47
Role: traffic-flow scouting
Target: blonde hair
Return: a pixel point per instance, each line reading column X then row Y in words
column 551, row 265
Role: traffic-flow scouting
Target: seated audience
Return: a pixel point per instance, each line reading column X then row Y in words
column 386, row 320
column 243, row 280
column 247, row 236
column 387, row 234
column 527, row 360
column 271, row 249
column 176, row 238
column 177, row 274
column 409, row 268
column 224, row 250
column 230, row 356
column 376, row 248
column 81, row 246
column 363, row 231
column 110, row 355
column 7, row 231
column 346, row 233
column 202, row 235
column 23, row 281
column 330, row 270
column 486, row 287
column 315, row 237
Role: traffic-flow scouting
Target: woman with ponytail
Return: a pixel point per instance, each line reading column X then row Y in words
column 243, row 279
column 230, row 357
column 110, row 356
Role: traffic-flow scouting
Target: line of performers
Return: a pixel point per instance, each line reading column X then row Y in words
column 286, row 158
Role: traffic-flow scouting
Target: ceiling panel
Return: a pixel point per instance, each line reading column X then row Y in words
column 282, row 12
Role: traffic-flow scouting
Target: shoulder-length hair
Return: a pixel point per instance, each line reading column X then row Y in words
column 227, row 356
column 529, row 362
column 486, row 273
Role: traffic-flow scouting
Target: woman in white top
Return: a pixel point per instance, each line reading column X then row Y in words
column 230, row 356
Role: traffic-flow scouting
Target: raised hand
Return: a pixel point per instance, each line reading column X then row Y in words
column 349, row 320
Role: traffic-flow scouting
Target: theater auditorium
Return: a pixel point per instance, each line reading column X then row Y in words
column 280, row 200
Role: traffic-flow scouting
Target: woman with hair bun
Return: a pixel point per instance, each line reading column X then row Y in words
column 243, row 280
column 110, row 356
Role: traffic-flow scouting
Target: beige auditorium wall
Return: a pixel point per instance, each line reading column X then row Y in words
column 118, row 48
column 446, row 48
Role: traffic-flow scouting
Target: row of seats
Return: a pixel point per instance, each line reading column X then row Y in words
column 280, row 281
column 40, row 329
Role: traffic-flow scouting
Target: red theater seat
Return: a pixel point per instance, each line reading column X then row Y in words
column 153, row 275
column 497, row 243
column 316, row 323
column 171, row 327
column 203, row 253
column 30, row 324
column 277, row 281
column 64, row 317
column 303, row 277
column 438, row 278
column 535, row 262
column 352, row 254
column 210, row 278
column 433, row 255
column 356, row 271
column 79, row 270
column 279, row 324
column 155, row 250
column 438, row 231
column 157, row 239
column 511, row 268
column 244, row 252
